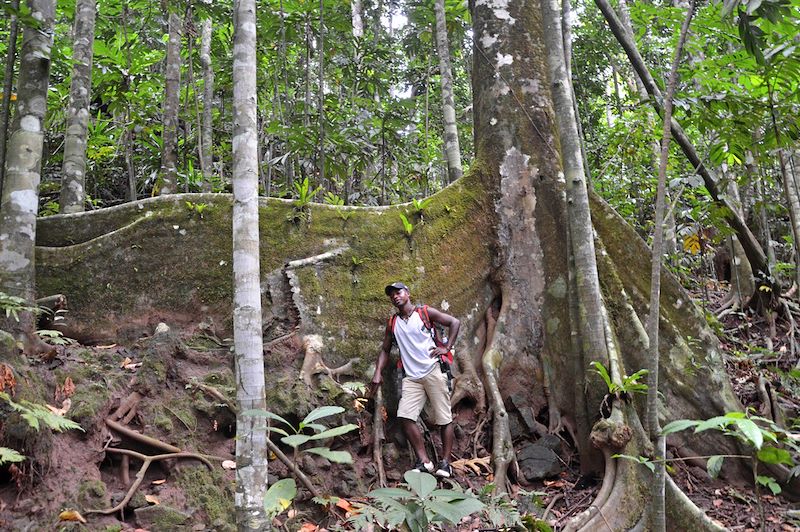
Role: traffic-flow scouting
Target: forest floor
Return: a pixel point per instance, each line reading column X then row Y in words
column 177, row 388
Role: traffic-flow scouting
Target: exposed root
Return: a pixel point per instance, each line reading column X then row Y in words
column 314, row 365
column 146, row 461
column 141, row 438
column 126, row 410
column 378, row 437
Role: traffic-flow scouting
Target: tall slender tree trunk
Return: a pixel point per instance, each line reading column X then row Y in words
column 127, row 138
column 172, row 80
column 251, row 431
column 73, row 179
column 358, row 22
column 207, row 131
column 593, row 344
column 321, row 95
column 8, row 84
column 20, row 197
column 451, row 145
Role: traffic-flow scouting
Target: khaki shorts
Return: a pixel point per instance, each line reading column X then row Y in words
column 432, row 386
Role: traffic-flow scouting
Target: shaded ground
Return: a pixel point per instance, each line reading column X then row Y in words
column 182, row 383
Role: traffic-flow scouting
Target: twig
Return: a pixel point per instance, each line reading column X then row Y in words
column 557, row 497
column 146, row 461
column 378, row 435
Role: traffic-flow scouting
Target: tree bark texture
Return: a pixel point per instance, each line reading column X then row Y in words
column 8, row 84
column 73, row 178
column 358, row 22
column 755, row 254
column 451, row 145
column 20, row 197
column 579, row 222
column 251, row 431
column 172, row 80
column 207, row 131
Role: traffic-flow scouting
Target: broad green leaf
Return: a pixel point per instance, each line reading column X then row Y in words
column 444, row 511
column 450, row 494
column 335, row 431
column 340, row 457
column 295, row 440
column 394, row 493
column 469, row 506
column 9, row 455
column 678, row 425
column 773, row 455
column 266, row 414
column 714, row 465
column 713, row 423
column 279, row 496
column 323, row 411
column 421, row 483
column 751, row 431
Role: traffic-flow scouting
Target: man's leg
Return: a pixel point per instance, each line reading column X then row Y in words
column 448, row 435
column 414, row 436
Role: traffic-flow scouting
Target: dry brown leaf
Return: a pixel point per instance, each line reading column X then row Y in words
column 478, row 466
column 7, row 379
column 344, row 504
column 125, row 362
column 717, row 503
column 308, row 527
column 158, row 482
column 71, row 515
column 69, row 387
column 229, row 464
column 65, row 406
column 152, row 499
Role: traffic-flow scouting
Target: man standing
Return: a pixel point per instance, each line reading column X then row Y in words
column 424, row 379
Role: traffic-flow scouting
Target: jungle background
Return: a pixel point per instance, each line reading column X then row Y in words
column 359, row 187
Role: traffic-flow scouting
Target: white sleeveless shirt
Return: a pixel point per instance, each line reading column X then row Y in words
column 415, row 344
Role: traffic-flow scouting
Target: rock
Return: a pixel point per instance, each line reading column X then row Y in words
column 517, row 427
column 537, row 462
column 160, row 517
column 550, row 441
column 161, row 328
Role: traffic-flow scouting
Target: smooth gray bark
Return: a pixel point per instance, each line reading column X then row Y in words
column 73, row 179
column 452, row 148
column 251, row 431
column 8, row 84
column 172, row 80
column 579, row 222
column 206, row 130
column 20, row 198
column 358, row 22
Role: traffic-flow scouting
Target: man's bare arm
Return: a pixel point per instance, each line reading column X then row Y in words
column 452, row 323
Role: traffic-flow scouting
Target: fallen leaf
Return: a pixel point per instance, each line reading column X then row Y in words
column 158, row 482
column 717, row 503
column 7, row 379
column 69, row 387
column 125, row 362
column 554, row 483
column 229, row 464
column 110, row 346
column 132, row 365
column 291, row 514
column 152, row 499
column 344, row 504
column 71, row 515
column 308, row 527
column 476, row 465
column 65, row 406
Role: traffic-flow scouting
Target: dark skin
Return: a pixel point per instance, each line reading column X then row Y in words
column 401, row 299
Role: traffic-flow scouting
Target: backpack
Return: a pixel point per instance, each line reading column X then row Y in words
column 444, row 360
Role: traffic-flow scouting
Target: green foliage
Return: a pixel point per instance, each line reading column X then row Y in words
column 197, row 208
column 630, row 384
column 9, row 455
column 279, row 496
column 54, row 337
column 420, row 205
column 408, row 227
column 13, row 305
column 320, row 432
column 37, row 415
column 416, row 506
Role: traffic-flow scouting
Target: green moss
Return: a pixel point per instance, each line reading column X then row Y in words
column 163, row 421
column 113, row 528
column 91, row 494
column 89, row 400
column 211, row 493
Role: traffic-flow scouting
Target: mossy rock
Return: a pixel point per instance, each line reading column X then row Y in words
column 92, row 494
column 161, row 517
column 209, row 492
column 89, row 401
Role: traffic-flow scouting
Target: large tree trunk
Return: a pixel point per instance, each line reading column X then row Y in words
column 172, row 80
column 251, row 433
column 206, row 131
column 73, row 179
column 8, row 83
column 451, row 145
column 20, row 197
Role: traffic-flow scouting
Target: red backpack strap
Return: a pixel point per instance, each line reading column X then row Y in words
column 423, row 314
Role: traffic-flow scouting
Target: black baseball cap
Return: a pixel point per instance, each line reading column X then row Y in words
column 395, row 286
